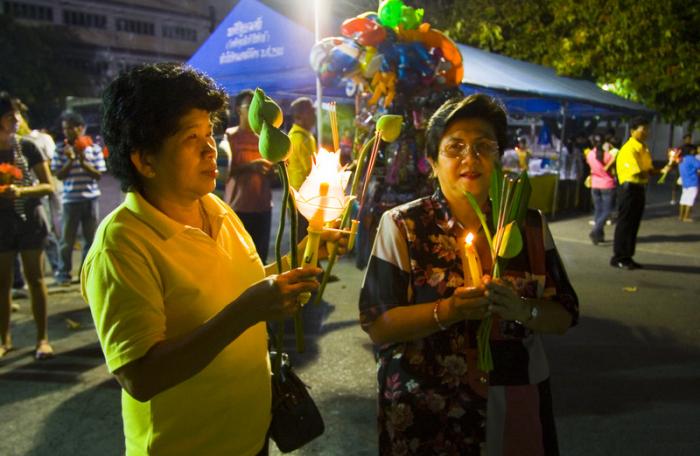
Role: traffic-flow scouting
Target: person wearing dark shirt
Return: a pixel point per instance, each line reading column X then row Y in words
column 23, row 226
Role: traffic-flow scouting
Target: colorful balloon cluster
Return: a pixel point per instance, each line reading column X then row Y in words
column 387, row 51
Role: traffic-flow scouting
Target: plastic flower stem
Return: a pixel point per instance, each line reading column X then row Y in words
column 294, row 260
column 279, row 338
column 360, row 163
column 332, row 254
column 368, row 174
column 482, row 218
column 345, row 219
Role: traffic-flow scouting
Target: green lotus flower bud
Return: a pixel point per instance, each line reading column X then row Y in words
column 390, row 125
column 264, row 108
column 274, row 144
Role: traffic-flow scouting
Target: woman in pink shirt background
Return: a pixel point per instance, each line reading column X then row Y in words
column 602, row 189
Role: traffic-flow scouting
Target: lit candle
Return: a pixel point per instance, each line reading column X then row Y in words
column 471, row 264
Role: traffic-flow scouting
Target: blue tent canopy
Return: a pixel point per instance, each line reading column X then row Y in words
column 527, row 88
column 256, row 46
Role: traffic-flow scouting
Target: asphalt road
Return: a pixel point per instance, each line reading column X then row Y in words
column 625, row 380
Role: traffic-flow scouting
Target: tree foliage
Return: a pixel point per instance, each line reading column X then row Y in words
column 34, row 68
column 646, row 50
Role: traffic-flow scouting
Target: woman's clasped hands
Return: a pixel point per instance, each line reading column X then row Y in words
column 493, row 297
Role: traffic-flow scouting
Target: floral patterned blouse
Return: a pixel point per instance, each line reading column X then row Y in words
column 432, row 398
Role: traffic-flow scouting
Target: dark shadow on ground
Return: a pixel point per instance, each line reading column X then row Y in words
column 94, row 419
column 615, row 369
column 63, row 371
column 350, row 427
column 672, row 268
column 313, row 318
column 665, row 238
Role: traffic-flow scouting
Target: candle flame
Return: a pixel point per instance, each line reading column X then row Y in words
column 328, row 174
column 469, row 239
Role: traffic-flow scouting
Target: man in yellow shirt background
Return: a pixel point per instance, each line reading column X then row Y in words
column 634, row 166
column 303, row 148
column 303, row 142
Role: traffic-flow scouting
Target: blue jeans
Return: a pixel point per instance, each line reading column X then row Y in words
column 83, row 214
column 603, row 205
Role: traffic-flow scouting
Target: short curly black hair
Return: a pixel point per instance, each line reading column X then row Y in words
column 479, row 106
column 242, row 95
column 7, row 103
column 141, row 108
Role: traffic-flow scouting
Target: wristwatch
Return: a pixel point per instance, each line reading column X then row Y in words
column 534, row 312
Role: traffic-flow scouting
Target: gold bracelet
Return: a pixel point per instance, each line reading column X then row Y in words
column 435, row 315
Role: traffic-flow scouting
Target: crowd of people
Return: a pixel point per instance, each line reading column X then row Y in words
column 179, row 287
column 618, row 182
column 36, row 222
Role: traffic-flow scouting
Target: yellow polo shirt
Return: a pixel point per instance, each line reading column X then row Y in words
column 148, row 278
column 632, row 159
column 300, row 160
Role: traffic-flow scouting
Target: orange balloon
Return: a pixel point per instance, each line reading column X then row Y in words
column 433, row 38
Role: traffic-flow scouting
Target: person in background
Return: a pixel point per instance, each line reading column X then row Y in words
column 176, row 288
column 634, row 166
column 688, row 169
column 303, row 142
column 423, row 318
column 223, row 156
column 303, row 148
column 523, row 153
column 249, row 178
column 687, row 148
column 52, row 203
column 23, row 226
column 610, row 145
column 79, row 164
column 602, row 189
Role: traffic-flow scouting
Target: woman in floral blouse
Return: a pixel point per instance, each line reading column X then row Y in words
column 423, row 319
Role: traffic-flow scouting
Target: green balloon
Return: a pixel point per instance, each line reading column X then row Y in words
column 273, row 143
column 411, row 18
column 390, row 12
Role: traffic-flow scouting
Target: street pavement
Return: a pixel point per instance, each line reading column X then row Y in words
column 626, row 380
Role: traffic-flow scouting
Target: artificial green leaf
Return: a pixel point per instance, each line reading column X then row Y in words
column 482, row 218
column 274, row 144
column 263, row 108
column 525, row 198
column 521, row 198
column 495, row 192
column 512, row 241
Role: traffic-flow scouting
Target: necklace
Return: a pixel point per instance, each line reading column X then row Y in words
column 206, row 227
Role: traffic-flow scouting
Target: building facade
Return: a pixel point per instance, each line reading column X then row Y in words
column 112, row 35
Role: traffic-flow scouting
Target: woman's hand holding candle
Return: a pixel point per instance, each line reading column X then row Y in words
column 468, row 303
column 471, row 264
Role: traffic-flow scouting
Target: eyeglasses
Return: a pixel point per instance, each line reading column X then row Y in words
column 483, row 148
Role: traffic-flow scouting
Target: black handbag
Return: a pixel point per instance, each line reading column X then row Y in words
column 295, row 418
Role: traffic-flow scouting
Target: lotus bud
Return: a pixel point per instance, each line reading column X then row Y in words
column 263, row 108
column 274, row 144
column 390, row 126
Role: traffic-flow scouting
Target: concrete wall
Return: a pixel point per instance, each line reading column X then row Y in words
column 664, row 135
